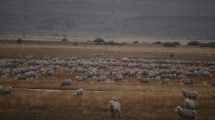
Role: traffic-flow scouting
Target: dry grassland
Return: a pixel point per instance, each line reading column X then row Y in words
column 139, row 101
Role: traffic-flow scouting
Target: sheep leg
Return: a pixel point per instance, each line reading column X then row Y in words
column 119, row 112
column 115, row 112
column 112, row 114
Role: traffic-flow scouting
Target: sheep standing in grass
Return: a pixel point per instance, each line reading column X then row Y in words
column 80, row 91
column 164, row 81
column 212, row 95
column 65, row 82
column 115, row 108
column 189, row 104
column 5, row 90
column 187, row 81
column 190, row 94
column 186, row 113
column 205, row 84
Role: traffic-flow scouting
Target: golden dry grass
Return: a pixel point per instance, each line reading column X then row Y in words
column 139, row 101
column 83, row 50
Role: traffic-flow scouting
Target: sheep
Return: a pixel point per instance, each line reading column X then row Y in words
column 213, row 84
column 183, row 77
column 144, row 80
column 189, row 104
column 118, row 76
column 187, row 81
column 167, row 71
column 164, row 81
column 80, row 78
column 109, row 81
column 169, row 76
column 5, row 90
column 80, row 91
column 115, row 108
column 205, row 84
column 65, row 82
column 190, row 94
column 186, row 113
column 212, row 95
column 102, row 78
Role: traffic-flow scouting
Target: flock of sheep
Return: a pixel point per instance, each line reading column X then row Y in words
column 110, row 70
column 107, row 69
column 188, row 112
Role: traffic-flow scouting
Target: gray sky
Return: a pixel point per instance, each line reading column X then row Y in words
column 156, row 18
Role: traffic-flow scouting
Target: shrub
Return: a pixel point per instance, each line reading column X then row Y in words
column 64, row 40
column 18, row 41
column 74, row 43
column 193, row 43
column 99, row 41
column 136, row 42
column 158, row 42
column 210, row 44
column 171, row 44
column 110, row 43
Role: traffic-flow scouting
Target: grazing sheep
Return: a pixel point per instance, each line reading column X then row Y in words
column 169, row 76
column 115, row 108
column 213, row 84
column 79, row 91
column 144, row 80
column 186, row 113
column 109, row 81
column 79, row 78
column 183, row 77
column 187, row 81
column 212, row 95
column 189, row 104
column 190, row 94
column 65, row 82
column 5, row 90
column 118, row 76
column 205, row 84
column 164, row 81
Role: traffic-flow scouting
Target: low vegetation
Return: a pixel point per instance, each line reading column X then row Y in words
column 199, row 44
column 171, row 44
column 19, row 41
column 64, row 40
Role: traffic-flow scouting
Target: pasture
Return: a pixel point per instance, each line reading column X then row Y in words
column 130, row 74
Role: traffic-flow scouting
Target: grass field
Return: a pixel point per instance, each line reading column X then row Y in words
column 139, row 101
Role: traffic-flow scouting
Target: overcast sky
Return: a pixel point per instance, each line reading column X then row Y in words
column 183, row 18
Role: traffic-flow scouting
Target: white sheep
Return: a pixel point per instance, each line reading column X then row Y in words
column 5, row 90
column 80, row 91
column 212, row 95
column 186, row 81
column 205, row 84
column 189, row 104
column 164, row 81
column 66, row 82
column 186, row 113
column 115, row 108
column 190, row 94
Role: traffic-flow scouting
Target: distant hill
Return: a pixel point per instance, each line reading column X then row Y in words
column 186, row 19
